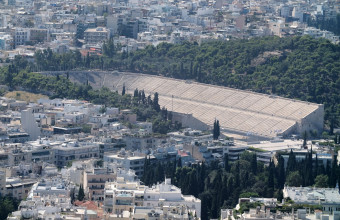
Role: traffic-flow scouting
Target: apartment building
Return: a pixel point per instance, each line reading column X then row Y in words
column 21, row 36
column 95, row 182
column 96, row 35
column 75, row 151
column 124, row 197
column 127, row 162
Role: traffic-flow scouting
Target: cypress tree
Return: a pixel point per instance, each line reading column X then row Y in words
column 333, row 177
column 179, row 162
column 291, row 164
column 308, row 170
column 143, row 97
column 254, row 164
column 226, row 163
column 230, row 185
column 193, row 186
column 216, row 130
column 155, row 102
column 270, row 182
column 135, row 94
column 123, row 91
column 305, row 135
column 328, row 172
column 202, row 177
column 81, row 193
column 237, row 174
column 316, row 166
column 281, row 173
column 271, row 175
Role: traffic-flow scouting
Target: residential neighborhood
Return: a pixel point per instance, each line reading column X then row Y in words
column 27, row 26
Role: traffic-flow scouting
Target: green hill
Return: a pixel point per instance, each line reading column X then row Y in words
column 299, row 67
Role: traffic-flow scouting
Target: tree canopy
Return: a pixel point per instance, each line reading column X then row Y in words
column 294, row 67
column 221, row 186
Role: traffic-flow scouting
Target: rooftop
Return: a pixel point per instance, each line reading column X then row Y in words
column 311, row 195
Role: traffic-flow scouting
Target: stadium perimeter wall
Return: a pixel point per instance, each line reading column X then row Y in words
column 313, row 121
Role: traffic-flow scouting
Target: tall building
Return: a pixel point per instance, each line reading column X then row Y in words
column 95, row 181
column 22, row 35
column 29, row 124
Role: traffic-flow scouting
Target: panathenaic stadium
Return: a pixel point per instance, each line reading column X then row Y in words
column 239, row 112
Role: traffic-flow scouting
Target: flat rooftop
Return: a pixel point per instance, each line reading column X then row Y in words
column 309, row 195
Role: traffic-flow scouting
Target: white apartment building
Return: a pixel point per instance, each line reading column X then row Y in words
column 75, row 151
column 166, row 194
column 18, row 188
column 47, row 199
column 43, row 207
column 96, row 35
column 6, row 41
column 122, row 196
column 29, row 124
column 22, row 35
column 166, row 212
column 49, row 187
column 329, row 198
column 127, row 162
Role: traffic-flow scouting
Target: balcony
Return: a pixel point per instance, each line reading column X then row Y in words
column 124, row 203
column 96, row 188
column 96, row 181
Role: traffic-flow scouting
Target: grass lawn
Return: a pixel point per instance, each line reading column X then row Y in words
column 25, row 96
